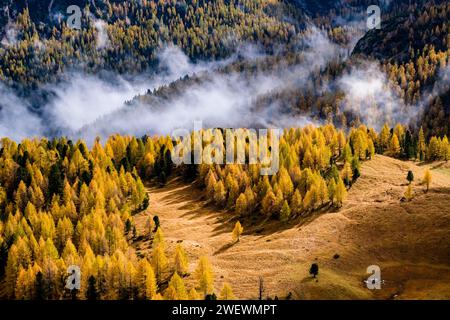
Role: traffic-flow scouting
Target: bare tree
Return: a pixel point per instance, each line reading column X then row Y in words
column 261, row 288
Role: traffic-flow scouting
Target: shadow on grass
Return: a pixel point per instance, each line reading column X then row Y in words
column 224, row 248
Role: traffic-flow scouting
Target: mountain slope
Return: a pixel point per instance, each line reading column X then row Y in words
column 373, row 227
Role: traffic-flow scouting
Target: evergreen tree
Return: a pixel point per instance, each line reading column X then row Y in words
column 410, row 176
column 314, row 270
column 92, row 293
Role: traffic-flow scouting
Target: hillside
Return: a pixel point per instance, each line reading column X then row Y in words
column 373, row 227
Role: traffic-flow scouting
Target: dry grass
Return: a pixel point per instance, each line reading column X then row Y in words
column 410, row 241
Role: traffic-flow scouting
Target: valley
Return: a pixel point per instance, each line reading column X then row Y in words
column 408, row 240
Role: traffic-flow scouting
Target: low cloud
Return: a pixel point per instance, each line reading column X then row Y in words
column 102, row 34
column 218, row 99
column 370, row 95
column 86, row 106
column 16, row 120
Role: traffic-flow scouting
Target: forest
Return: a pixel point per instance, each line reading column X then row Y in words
column 65, row 204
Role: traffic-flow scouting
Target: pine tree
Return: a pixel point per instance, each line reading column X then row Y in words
column 92, row 293
column 314, row 270
column 410, row 176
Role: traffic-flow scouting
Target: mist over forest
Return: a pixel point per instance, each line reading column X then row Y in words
column 85, row 99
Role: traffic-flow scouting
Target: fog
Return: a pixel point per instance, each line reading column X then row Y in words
column 370, row 95
column 218, row 99
column 87, row 106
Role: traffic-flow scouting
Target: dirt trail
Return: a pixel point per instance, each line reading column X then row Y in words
column 410, row 241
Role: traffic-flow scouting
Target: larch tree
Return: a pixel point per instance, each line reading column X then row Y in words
column 64, row 231
column 158, row 239
column 151, row 286
column 285, row 212
column 421, row 145
column 323, row 192
column 311, row 197
column 226, row 293
column 176, row 289
column 241, row 205
column 409, row 193
column 427, row 178
column 269, row 203
column 384, row 138
column 193, row 294
column 204, row 276
column 159, row 262
column 341, row 193
column 296, row 202
column 347, row 174
column 146, row 280
column 210, row 184
column 180, row 260
column 332, row 190
column 219, row 193
column 251, row 200
column 237, row 231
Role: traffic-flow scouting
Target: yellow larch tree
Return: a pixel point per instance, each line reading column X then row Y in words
column 180, row 260
column 226, row 293
column 204, row 276
column 237, row 231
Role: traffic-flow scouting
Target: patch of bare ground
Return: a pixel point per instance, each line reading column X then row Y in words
column 410, row 241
